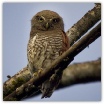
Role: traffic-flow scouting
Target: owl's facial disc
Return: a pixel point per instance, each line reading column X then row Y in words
column 45, row 23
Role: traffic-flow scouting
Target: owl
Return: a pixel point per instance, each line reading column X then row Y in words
column 47, row 42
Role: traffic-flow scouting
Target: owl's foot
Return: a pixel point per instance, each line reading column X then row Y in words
column 38, row 72
column 35, row 74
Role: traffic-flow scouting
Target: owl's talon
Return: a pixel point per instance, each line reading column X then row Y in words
column 39, row 71
column 35, row 74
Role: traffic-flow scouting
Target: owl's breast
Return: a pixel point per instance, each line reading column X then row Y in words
column 44, row 48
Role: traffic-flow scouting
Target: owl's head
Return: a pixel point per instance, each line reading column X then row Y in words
column 47, row 20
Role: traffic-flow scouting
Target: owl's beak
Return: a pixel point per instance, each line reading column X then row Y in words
column 47, row 25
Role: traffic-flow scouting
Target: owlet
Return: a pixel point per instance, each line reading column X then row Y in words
column 47, row 42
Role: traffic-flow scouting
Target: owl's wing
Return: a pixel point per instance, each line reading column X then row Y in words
column 31, row 51
column 66, row 43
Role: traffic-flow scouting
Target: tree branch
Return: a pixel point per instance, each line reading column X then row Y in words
column 82, row 73
column 79, row 73
column 84, row 24
column 59, row 63
column 74, row 33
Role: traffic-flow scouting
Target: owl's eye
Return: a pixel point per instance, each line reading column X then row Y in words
column 55, row 20
column 40, row 18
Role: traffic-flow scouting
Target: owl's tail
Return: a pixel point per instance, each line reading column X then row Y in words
column 49, row 86
column 47, row 89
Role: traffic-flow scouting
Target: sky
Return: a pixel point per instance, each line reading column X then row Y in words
column 16, row 30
